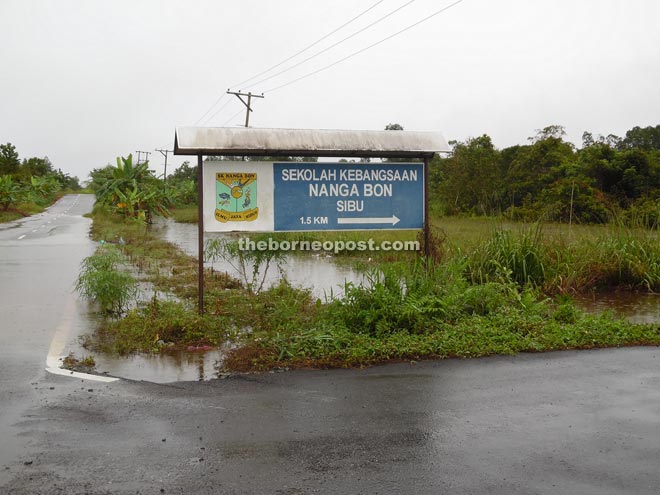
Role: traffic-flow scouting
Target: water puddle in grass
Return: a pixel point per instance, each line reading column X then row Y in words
column 170, row 366
column 635, row 307
column 324, row 275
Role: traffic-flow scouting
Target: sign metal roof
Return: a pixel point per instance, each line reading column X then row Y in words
column 250, row 141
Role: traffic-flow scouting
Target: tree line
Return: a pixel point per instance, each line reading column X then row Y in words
column 31, row 180
column 608, row 178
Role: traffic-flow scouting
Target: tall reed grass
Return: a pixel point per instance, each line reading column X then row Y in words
column 617, row 258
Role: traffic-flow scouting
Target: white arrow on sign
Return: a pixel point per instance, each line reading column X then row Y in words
column 393, row 220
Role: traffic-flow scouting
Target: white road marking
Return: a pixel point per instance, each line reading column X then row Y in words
column 21, row 237
column 56, row 351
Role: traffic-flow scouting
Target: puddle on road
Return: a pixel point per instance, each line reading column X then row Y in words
column 168, row 367
column 160, row 368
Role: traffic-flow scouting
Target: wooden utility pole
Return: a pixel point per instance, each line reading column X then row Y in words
column 248, row 103
column 164, row 153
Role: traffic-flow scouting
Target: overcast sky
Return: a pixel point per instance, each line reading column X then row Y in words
column 84, row 81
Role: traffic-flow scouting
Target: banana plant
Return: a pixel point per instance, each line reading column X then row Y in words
column 133, row 191
column 43, row 187
column 185, row 192
column 11, row 192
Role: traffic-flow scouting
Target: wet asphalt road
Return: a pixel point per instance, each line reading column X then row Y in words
column 568, row 422
column 39, row 260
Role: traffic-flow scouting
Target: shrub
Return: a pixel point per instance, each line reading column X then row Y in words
column 101, row 281
column 523, row 256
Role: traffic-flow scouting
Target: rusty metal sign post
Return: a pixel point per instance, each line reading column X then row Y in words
column 218, row 141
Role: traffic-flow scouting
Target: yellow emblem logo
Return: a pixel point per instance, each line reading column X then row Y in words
column 236, row 197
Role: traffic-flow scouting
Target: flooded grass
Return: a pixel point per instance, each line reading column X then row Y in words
column 162, row 263
column 376, row 325
column 85, row 364
column 491, row 292
column 158, row 326
column 185, row 214
column 322, row 272
column 637, row 307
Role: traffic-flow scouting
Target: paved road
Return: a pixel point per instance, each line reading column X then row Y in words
column 567, row 422
column 39, row 261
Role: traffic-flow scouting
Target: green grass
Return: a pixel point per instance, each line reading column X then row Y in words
column 21, row 210
column 27, row 208
column 466, row 234
column 9, row 216
column 603, row 258
column 492, row 290
column 102, row 280
column 158, row 326
column 85, row 364
column 468, row 338
column 439, row 315
column 184, row 214
column 160, row 262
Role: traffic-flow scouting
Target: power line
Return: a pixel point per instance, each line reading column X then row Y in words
column 217, row 111
column 232, row 117
column 242, row 83
column 332, row 46
column 217, row 102
column 377, row 21
column 365, row 48
column 211, row 108
column 228, row 102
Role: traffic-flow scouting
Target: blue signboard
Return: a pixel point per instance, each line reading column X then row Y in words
column 348, row 196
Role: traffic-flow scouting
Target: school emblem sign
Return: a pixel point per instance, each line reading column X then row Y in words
column 236, row 197
column 297, row 196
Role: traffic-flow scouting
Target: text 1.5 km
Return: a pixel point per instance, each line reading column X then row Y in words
column 314, row 220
